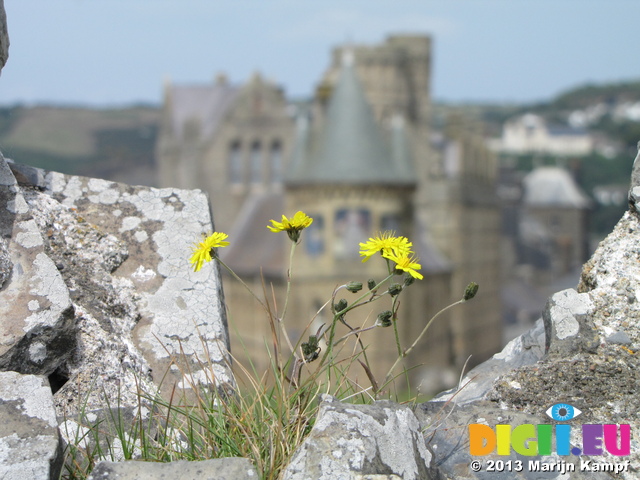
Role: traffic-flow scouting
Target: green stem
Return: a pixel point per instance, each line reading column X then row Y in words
column 286, row 298
column 394, row 309
column 424, row 330
column 364, row 352
column 289, row 277
column 395, row 324
column 337, row 315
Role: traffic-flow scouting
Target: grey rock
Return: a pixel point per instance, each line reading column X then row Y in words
column 115, row 431
column 98, row 294
column 620, row 338
column 567, row 323
column 586, row 357
column 5, row 261
column 353, row 441
column 635, row 179
column 377, row 477
column 494, row 393
column 30, row 446
column 99, row 272
column 27, row 175
column 446, row 427
column 124, row 254
column 598, row 377
column 4, row 36
column 445, row 419
column 527, row 349
column 37, row 333
column 216, row 469
column 634, row 197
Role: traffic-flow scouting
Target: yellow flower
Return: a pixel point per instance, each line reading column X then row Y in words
column 385, row 243
column 292, row 226
column 407, row 262
column 202, row 250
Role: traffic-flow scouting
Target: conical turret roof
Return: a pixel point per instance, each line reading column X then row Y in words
column 350, row 148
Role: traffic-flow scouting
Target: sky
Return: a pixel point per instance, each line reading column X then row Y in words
column 118, row 52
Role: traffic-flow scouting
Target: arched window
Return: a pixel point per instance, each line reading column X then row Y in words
column 352, row 226
column 256, row 162
column 275, row 162
column 314, row 236
column 235, row 163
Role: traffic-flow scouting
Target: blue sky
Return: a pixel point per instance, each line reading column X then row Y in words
column 108, row 52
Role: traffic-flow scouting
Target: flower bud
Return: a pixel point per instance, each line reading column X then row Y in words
column 340, row 306
column 354, row 287
column 384, row 318
column 311, row 349
column 408, row 280
column 371, row 283
column 294, row 235
column 470, row 291
column 395, row 289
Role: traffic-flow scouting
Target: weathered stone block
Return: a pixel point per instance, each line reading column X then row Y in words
column 567, row 324
column 98, row 291
column 216, row 469
column 30, row 446
column 126, row 257
column 37, row 332
column 4, row 36
column 354, row 441
column 524, row 350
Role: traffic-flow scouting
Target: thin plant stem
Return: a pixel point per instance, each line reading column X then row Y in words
column 394, row 309
column 355, row 332
column 286, row 298
column 234, row 275
column 359, row 340
column 289, row 278
column 424, row 330
column 337, row 315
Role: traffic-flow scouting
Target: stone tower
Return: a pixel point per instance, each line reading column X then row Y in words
column 455, row 206
column 360, row 158
column 356, row 179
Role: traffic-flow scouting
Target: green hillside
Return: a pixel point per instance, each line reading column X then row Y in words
column 590, row 94
column 117, row 144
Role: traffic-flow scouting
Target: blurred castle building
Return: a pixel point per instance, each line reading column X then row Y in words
column 360, row 158
column 545, row 240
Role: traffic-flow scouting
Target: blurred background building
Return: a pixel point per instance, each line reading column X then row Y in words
column 360, row 158
column 512, row 196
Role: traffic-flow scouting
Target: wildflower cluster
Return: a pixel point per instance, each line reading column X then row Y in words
column 273, row 411
column 396, row 249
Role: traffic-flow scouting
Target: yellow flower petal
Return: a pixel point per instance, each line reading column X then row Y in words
column 385, row 242
column 292, row 226
column 406, row 262
column 202, row 250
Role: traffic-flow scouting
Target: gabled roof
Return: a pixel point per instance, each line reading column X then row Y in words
column 252, row 248
column 350, row 148
column 400, row 148
column 205, row 103
column 553, row 187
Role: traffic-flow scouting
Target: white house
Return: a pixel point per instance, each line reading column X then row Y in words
column 530, row 133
